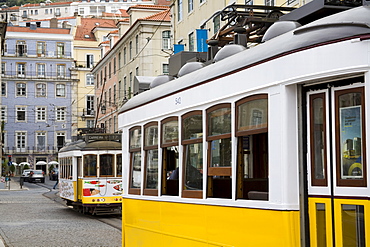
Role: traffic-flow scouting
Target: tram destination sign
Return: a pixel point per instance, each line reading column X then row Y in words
column 103, row 137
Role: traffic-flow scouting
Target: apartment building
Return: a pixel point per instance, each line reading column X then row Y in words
column 36, row 92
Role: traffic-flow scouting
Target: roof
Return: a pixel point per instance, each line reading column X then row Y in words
column 45, row 4
column 38, row 30
column 161, row 16
column 59, row 18
column 143, row 6
column 88, row 24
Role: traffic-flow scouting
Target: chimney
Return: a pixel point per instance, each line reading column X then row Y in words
column 53, row 23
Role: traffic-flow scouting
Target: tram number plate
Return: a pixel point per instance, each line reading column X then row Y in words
column 178, row 101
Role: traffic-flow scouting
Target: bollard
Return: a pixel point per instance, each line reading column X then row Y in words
column 21, row 182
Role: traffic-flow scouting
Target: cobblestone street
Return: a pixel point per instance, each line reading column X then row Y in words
column 31, row 217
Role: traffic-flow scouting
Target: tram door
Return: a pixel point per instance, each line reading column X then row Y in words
column 336, row 163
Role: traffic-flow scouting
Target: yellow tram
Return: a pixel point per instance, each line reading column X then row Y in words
column 90, row 177
column 263, row 147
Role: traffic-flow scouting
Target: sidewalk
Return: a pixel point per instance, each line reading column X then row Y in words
column 14, row 185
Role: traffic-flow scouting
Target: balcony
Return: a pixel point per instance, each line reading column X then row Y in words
column 87, row 113
column 33, row 53
column 31, row 150
column 33, row 75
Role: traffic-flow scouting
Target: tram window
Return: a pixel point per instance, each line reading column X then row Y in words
column 79, row 166
column 321, row 225
column 151, row 158
column 219, row 151
column 318, row 139
column 135, row 160
column 353, row 225
column 106, row 165
column 192, row 132
column 252, row 155
column 350, row 136
column 170, row 156
column 119, row 165
column 90, row 161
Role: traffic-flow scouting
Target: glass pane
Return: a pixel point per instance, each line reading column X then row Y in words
column 318, row 137
column 90, row 162
column 252, row 115
column 320, row 225
column 152, row 169
column 219, row 121
column 353, row 227
column 193, row 167
column 192, row 127
column 351, row 135
column 135, row 138
column 221, row 153
column 151, row 136
column 136, row 170
column 106, row 165
column 119, row 165
column 170, row 132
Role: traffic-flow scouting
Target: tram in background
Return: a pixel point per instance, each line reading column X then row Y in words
column 266, row 147
column 90, row 177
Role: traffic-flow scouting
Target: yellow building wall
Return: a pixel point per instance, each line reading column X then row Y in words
column 154, row 223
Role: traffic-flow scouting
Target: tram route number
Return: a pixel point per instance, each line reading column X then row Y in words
column 178, row 101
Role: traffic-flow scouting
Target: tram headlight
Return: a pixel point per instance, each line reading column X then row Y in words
column 102, row 200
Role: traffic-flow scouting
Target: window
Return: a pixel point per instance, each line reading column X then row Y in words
column 137, row 44
column 135, row 160
column 190, row 5
column 81, row 11
column 89, row 60
column 90, row 124
column 353, row 225
column 192, row 141
column 252, row 159
column 191, row 42
column 21, row 89
column 350, row 136
column 151, row 159
column 216, row 23
column 21, row 48
column 90, row 105
column 61, row 138
column 57, row 12
column 165, row 69
column 41, row 49
column 130, row 50
column 318, row 136
column 60, row 113
column 170, row 156
column 41, row 141
column 114, row 66
column 179, row 10
column 20, row 139
column 60, row 90
column 110, row 70
column 21, row 69
column 119, row 61
column 40, row 90
column 46, row 11
column 166, row 40
column 114, row 94
column 61, row 70
column 106, row 165
column 4, row 113
column 137, row 71
column 90, row 165
column 60, row 50
column 219, row 151
column 3, row 89
column 119, row 165
column 40, row 70
column 124, row 56
column 40, row 113
column 3, row 66
column 89, row 79
column 21, row 114
column 110, row 97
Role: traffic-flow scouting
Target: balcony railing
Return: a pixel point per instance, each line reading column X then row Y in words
column 34, row 53
column 33, row 75
column 31, row 150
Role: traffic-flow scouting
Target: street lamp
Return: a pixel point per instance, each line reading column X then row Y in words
column 103, row 109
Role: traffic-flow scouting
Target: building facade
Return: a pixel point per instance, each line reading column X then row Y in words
column 36, row 92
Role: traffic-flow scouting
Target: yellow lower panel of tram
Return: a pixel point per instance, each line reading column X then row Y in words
column 351, row 222
column 154, row 223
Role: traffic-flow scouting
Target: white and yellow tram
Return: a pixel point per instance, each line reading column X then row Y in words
column 90, row 177
column 266, row 147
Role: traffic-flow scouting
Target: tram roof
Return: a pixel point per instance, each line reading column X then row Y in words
column 342, row 25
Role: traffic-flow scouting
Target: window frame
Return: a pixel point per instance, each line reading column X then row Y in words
column 41, row 92
column 132, row 152
column 216, row 171
column 41, row 70
column 21, row 109
column 41, row 113
column 184, row 142
column 350, row 182
column 60, row 113
column 63, row 88
column 147, row 148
